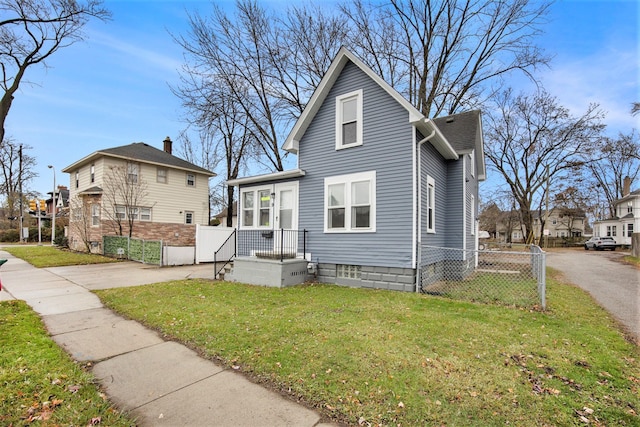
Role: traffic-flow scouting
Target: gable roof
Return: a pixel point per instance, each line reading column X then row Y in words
column 139, row 151
column 464, row 131
column 425, row 125
column 629, row 196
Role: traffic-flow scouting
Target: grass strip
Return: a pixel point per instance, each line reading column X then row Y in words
column 48, row 256
column 392, row 358
column 39, row 383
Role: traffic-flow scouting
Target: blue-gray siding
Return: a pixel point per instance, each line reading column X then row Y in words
column 387, row 149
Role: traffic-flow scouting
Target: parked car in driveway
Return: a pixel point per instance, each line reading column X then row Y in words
column 600, row 243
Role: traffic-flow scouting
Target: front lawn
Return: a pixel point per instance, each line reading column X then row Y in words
column 39, row 384
column 370, row 357
column 48, row 256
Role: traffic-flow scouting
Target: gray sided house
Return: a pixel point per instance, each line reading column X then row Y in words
column 377, row 184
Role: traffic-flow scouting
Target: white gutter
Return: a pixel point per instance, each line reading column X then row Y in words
column 418, row 212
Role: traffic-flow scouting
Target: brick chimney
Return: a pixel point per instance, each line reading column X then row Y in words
column 626, row 186
column 167, row 145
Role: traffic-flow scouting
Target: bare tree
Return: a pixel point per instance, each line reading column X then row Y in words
column 635, row 108
column 124, row 195
column 614, row 160
column 444, row 55
column 258, row 68
column 12, row 175
column 534, row 143
column 80, row 220
column 33, row 30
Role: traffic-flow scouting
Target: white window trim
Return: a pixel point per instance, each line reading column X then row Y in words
column 431, row 185
column 348, row 180
column 193, row 219
column 473, row 215
column 95, row 215
column 473, row 163
column 256, row 208
column 339, row 102
column 165, row 176
column 186, row 180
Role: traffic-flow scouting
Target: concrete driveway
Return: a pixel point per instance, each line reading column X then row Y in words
column 615, row 285
column 123, row 274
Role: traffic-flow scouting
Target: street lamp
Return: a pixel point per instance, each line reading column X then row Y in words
column 53, row 213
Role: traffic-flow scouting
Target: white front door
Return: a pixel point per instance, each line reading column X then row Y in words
column 286, row 217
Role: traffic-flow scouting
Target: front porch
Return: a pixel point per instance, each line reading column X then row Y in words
column 276, row 258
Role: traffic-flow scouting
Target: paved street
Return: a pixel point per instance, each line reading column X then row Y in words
column 616, row 286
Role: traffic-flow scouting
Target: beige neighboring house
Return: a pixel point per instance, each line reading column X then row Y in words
column 561, row 223
column 171, row 196
column 627, row 219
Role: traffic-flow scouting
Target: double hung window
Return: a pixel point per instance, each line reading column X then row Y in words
column 350, row 203
column 256, row 207
column 349, row 120
column 431, row 205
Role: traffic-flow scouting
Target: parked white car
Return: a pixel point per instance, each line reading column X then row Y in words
column 600, row 243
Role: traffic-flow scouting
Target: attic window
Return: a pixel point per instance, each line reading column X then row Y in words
column 349, row 120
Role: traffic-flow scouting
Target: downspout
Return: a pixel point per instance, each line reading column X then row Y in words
column 419, row 205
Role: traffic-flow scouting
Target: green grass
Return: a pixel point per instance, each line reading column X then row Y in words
column 39, row 384
column 393, row 358
column 632, row 260
column 48, row 256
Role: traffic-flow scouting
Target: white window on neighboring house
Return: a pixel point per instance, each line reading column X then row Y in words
column 613, row 230
column 93, row 173
column 121, row 212
column 350, row 203
column 77, row 179
column 145, row 214
column 133, row 213
column 349, row 120
column 554, row 221
column 188, row 217
column 431, row 205
column 161, row 175
column 629, row 207
column 132, row 173
column 95, row 215
column 629, row 230
column 191, row 180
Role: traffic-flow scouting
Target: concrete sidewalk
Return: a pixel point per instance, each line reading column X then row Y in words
column 161, row 383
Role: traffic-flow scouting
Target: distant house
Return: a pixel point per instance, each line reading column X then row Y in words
column 626, row 220
column 560, row 223
column 164, row 195
column 377, row 185
column 222, row 216
column 62, row 202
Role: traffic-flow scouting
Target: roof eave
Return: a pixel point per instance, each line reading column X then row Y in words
column 293, row 173
column 291, row 144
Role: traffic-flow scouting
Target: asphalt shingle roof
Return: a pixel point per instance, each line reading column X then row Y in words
column 460, row 129
column 147, row 153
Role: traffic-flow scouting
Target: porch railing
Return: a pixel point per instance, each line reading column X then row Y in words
column 272, row 244
column 226, row 252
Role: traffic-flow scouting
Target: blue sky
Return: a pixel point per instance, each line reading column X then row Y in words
column 113, row 89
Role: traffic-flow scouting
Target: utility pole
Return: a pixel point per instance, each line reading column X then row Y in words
column 20, row 187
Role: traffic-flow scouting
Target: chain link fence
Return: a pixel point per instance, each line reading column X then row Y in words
column 490, row 276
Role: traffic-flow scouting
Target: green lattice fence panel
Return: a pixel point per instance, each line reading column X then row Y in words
column 112, row 244
column 153, row 252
